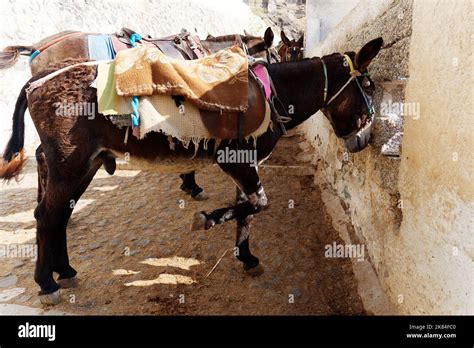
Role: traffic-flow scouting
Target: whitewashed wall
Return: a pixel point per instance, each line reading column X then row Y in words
column 434, row 271
column 28, row 21
column 413, row 211
column 323, row 16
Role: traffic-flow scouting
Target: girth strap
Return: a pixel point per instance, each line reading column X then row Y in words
column 241, row 126
column 281, row 120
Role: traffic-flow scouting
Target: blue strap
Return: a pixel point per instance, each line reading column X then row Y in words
column 34, row 55
column 135, row 101
column 135, row 115
column 134, row 38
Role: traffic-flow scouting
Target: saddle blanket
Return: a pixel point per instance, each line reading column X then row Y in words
column 218, row 82
column 101, row 47
column 159, row 113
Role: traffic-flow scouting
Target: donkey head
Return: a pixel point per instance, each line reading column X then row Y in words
column 259, row 47
column 292, row 50
column 348, row 97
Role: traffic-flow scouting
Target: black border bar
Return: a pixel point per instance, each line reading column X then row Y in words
column 332, row 330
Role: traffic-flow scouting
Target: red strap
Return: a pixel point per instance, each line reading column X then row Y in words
column 55, row 41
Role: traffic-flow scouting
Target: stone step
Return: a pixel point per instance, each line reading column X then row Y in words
column 291, row 170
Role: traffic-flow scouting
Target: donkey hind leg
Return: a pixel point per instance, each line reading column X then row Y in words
column 67, row 274
column 52, row 215
column 51, row 219
column 190, row 186
column 42, row 168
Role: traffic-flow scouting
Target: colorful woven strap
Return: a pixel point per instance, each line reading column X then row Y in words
column 134, row 38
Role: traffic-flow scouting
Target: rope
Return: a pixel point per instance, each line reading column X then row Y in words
column 217, row 263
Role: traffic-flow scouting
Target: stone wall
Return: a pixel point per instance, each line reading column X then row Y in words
column 288, row 15
column 412, row 206
column 28, row 21
column 367, row 182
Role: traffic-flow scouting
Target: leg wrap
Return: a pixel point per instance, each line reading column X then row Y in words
column 258, row 199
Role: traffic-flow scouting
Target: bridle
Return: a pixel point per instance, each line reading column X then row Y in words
column 354, row 75
column 289, row 54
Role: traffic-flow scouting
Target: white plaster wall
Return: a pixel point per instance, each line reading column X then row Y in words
column 435, row 247
column 423, row 252
column 323, row 16
column 28, row 21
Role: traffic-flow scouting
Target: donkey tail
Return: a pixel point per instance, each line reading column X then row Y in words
column 9, row 56
column 14, row 155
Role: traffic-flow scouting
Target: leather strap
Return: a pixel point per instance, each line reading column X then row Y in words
column 241, row 126
column 61, row 38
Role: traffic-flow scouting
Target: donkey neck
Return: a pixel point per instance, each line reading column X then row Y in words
column 300, row 87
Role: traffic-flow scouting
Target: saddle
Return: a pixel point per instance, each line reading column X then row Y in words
column 178, row 117
column 223, row 125
column 178, row 46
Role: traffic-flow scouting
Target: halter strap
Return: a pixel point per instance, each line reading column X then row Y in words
column 325, row 81
column 351, row 65
column 354, row 73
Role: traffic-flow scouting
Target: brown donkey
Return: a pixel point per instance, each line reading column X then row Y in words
column 291, row 50
column 76, row 147
column 74, row 45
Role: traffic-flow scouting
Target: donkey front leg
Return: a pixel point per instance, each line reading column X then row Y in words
column 255, row 203
column 242, row 243
column 247, row 179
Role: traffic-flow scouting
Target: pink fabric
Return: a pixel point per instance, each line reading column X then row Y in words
column 136, row 132
column 262, row 75
column 118, row 45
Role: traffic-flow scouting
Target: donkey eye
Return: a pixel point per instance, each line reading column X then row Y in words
column 366, row 82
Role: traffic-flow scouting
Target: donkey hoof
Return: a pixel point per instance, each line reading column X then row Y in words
column 201, row 196
column 50, row 299
column 255, row 271
column 67, row 283
column 199, row 222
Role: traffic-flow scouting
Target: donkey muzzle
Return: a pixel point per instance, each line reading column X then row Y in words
column 359, row 140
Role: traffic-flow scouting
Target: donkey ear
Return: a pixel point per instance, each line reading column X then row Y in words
column 245, row 33
column 284, row 38
column 367, row 53
column 268, row 37
column 300, row 41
